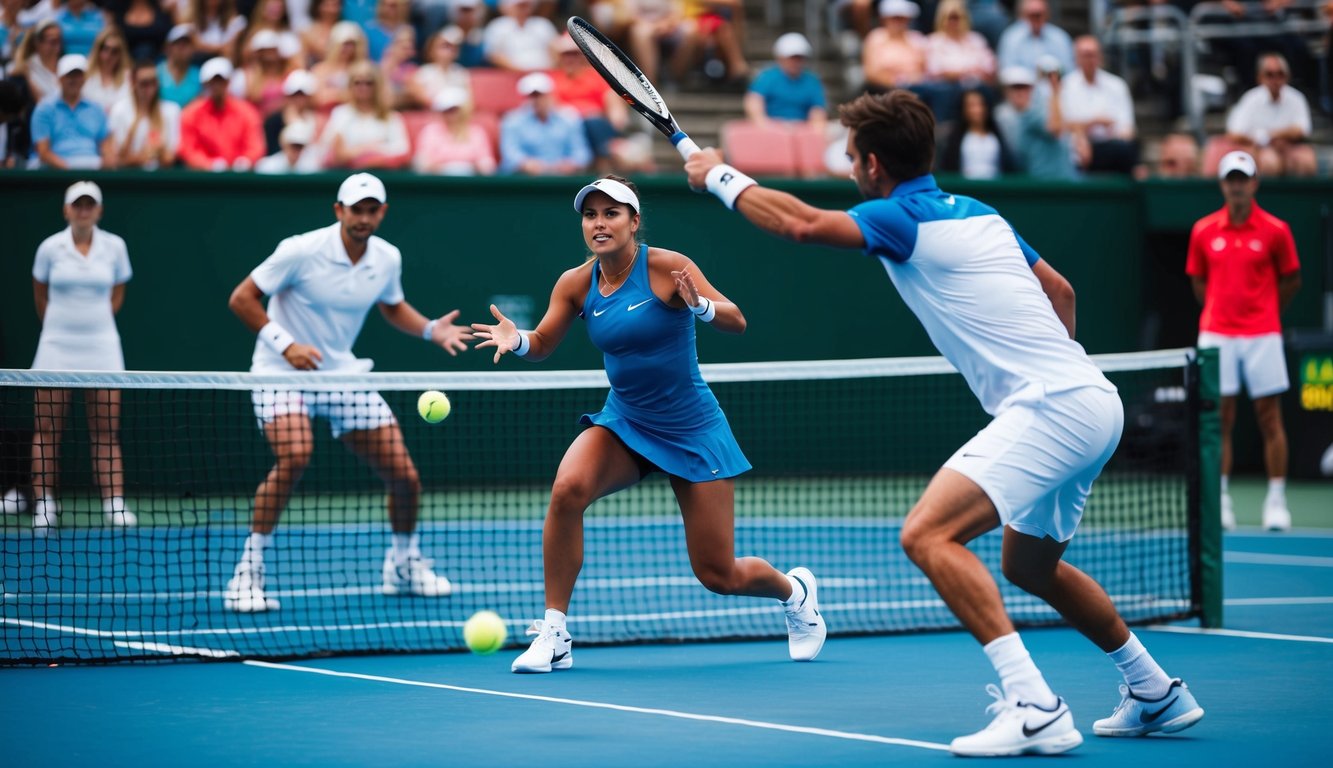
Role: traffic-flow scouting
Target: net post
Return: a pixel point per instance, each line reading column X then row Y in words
column 1205, row 487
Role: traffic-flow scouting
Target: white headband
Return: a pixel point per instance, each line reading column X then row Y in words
column 611, row 188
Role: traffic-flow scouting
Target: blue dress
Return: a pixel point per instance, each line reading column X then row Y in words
column 659, row 405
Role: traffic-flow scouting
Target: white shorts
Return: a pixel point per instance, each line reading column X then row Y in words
column 1256, row 360
column 345, row 411
column 1037, row 461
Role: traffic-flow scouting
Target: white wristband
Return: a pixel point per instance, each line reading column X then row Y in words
column 523, row 345
column 726, row 183
column 276, row 337
column 705, row 310
column 429, row 330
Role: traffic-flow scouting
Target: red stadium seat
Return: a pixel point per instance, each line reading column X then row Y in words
column 495, row 90
column 1213, row 150
column 810, row 147
column 416, row 119
column 761, row 149
column 490, row 123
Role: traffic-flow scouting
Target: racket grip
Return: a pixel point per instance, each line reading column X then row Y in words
column 684, row 144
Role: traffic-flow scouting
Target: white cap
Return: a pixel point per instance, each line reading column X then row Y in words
column 83, row 189
column 179, row 32
column 297, row 132
column 453, row 34
column 361, row 186
column 215, row 67
column 613, row 189
column 535, row 82
column 264, row 38
column 448, row 98
column 1017, row 75
column 791, row 44
column 71, row 62
column 898, row 8
column 1237, row 161
column 467, row 3
column 298, row 81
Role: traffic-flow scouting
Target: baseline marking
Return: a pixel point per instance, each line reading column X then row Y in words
column 1240, row 633
column 616, row 707
column 1264, row 558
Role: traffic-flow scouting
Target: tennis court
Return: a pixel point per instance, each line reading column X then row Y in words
column 883, row 700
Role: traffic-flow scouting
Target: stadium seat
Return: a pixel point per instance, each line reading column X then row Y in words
column 416, row 119
column 494, row 90
column 1213, row 150
column 810, row 145
column 760, row 148
column 490, row 123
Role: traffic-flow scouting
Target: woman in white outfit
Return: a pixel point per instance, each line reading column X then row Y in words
column 78, row 282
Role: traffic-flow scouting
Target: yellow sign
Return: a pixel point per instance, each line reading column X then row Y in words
column 1317, row 383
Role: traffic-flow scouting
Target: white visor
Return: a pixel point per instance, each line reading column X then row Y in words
column 611, row 188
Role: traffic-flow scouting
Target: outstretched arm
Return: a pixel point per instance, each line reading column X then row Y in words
column 772, row 211
column 534, row 346
column 441, row 331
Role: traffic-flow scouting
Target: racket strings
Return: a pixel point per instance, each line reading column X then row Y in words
column 633, row 82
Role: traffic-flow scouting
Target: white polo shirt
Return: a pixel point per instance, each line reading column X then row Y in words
column 321, row 297
column 79, row 329
column 1256, row 111
column 1107, row 96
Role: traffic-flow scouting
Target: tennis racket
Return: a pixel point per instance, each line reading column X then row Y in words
column 625, row 78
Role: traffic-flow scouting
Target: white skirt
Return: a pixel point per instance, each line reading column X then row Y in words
column 64, row 352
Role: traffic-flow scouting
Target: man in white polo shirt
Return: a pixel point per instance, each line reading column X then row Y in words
column 320, row 286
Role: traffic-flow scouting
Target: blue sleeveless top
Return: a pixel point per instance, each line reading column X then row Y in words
column 659, row 405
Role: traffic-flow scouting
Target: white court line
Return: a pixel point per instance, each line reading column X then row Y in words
column 177, row 650
column 616, row 707
column 1265, row 558
column 1240, row 633
column 1278, row 601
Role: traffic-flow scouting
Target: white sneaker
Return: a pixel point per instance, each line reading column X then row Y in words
column 1020, row 729
column 14, row 502
column 245, row 591
column 413, row 576
column 1228, row 513
column 1276, row 516
column 45, row 515
column 805, row 627
column 553, row 649
column 117, row 514
column 1175, row 711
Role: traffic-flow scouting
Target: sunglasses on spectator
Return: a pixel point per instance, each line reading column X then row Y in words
column 1274, row 73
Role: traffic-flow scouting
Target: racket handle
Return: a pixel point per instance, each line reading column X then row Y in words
column 684, row 144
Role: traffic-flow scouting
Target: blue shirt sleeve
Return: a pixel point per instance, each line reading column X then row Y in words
column 1029, row 252
column 887, row 227
column 42, row 121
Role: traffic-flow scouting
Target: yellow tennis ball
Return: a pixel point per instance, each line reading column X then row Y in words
column 433, row 406
column 485, row 632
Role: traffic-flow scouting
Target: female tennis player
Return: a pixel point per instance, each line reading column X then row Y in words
column 641, row 304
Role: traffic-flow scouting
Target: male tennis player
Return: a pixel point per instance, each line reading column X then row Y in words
column 1005, row 319
column 320, row 286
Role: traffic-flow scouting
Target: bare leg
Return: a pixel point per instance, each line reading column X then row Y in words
column 1227, row 415
column 710, row 535
column 290, row 438
column 385, row 452
column 103, row 406
column 595, row 465
column 1034, row 565
column 953, row 511
column 1268, row 411
column 50, row 410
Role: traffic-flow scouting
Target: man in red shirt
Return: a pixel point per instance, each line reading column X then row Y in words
column 1242, row 262
column 218, row 130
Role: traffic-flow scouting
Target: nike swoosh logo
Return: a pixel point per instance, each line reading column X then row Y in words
column 633, row 307
column 973, row 456
column 715, row 471
column 805, row 589
column 595, row 313
column 1030, row 732
column 1148, row 717
column 559, row 656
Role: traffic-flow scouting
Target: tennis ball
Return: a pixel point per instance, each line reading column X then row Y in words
column 485, row 632
column 433, row 406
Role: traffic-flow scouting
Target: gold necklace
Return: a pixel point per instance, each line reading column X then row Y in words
column 607, row 280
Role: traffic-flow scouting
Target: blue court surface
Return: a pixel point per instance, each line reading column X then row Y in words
column 892, row 700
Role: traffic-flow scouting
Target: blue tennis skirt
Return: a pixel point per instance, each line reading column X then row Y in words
column 711, row 453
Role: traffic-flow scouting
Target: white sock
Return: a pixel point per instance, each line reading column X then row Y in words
column 1224, row 483
column 405, row 545
column 797, row 594
column 555, row 618
column 113, row 505
column 253, row 553
column 1277, row 490
column 1145, row 678
column 1019, row 676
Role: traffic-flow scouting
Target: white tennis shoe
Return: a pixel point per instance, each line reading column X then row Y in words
column 45, row 515
column 118, row 514
column 413, row 576
column 245, row 591
column 1276, row 515
column 1228, row 513
column 1175, row 711
column 1020, row 728
column 14, row 502
column 552, row 649
column 806, row 630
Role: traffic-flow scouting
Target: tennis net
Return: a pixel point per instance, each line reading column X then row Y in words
column 841, row 450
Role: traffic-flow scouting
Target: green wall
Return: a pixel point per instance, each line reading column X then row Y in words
column 192, row 237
